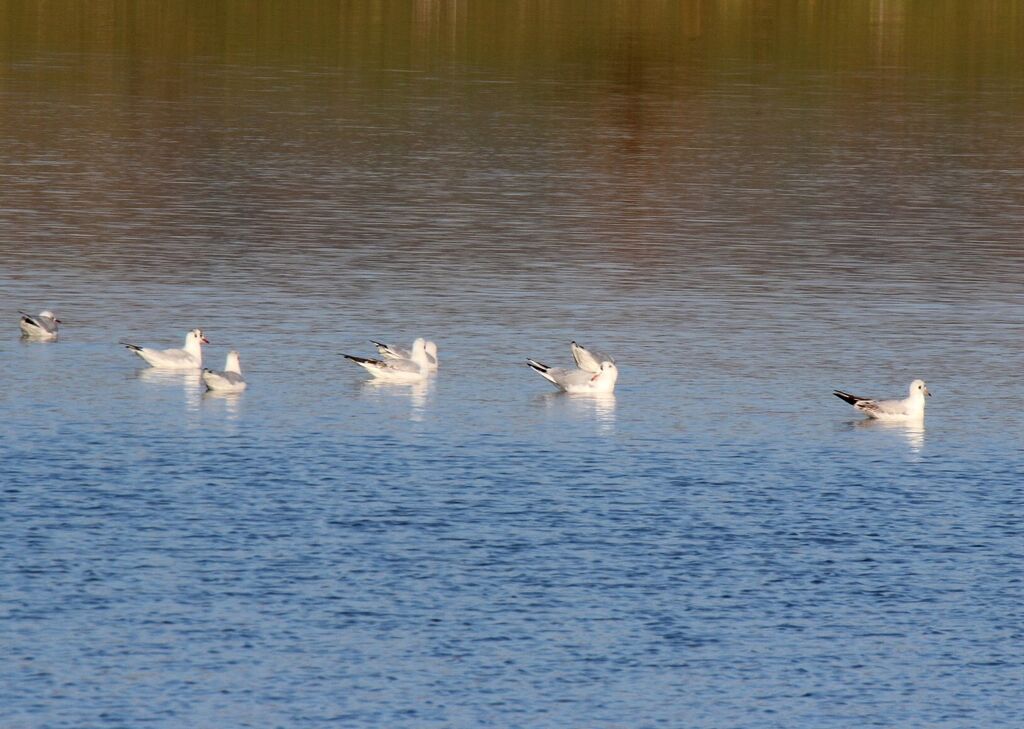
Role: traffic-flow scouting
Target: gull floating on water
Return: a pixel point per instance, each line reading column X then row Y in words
column 189, row 358
column 597, row 373
column 40, row 326
column 230, row 380
column 910, row 408
column 391, row 351
column 411, row 369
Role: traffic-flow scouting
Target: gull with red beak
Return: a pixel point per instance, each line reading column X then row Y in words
column 40, row 326
column 188, row 358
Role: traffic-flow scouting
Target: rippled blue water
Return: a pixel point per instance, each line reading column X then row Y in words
column 722, row 543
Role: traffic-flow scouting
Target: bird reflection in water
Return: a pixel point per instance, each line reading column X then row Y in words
column 230, row 400
column 417, row 392
column 188, row 380
column 912, row 431
column 598, row 407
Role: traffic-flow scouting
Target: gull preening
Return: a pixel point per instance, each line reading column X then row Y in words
column 910, row 408
column 391, row 351
column 188, row 358
column 413, row 368
column 597, row 372
column 39, row 326
column 230, row 380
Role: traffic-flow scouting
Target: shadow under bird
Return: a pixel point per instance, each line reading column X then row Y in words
column 230, row 380
column 412, row 369
column 188, row 358
column 909, row 408
column 596, row 373
column 39, row 326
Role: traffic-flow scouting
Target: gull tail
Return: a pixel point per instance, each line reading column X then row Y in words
column 542, row 369
column 852, row 399
column 132, row 347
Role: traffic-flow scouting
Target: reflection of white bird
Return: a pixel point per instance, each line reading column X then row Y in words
column 411, row 369
column 189, row 358
column 391, row 351
column 230, row 380
column 588, row 359
column 580, row 381
column 910, row 408
column 40, row 326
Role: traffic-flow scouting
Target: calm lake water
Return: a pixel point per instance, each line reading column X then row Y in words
column 748, row 205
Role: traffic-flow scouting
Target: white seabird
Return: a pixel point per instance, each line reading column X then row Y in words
column 412, row 369
column 39, row 326
column 910, row 408
column 188, row 358
column 230, row 380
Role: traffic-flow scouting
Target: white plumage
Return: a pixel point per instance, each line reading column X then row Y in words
column 188, row 358
column 909, row 408
column 230, row 380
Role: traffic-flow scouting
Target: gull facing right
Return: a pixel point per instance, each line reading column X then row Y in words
column 597, row 373
column 392, row 351
column 40, row 326
column 189, row 358
column 395, row 369
column 910, row 408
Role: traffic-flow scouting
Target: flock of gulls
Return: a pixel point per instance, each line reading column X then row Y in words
column 595, row 373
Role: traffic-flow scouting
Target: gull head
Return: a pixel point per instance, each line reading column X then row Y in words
column 233, row 363
column 196, row 335
column 919, row 389
column 608, row 373
column 49, row 315
column 431, row 348
column 419, row 352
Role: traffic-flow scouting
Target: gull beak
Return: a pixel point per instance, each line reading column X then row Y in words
column 204, row 340
column 926, row 392
column 58, row 321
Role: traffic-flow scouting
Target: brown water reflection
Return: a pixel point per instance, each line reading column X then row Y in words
column 717, row 147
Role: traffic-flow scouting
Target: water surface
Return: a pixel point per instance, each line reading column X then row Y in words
column 749, row 205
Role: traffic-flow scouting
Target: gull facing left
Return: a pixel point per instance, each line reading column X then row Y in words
column 188, row 358
column 910, row 408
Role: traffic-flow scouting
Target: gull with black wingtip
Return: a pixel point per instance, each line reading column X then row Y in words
column 188, row 358
column 909, row 408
